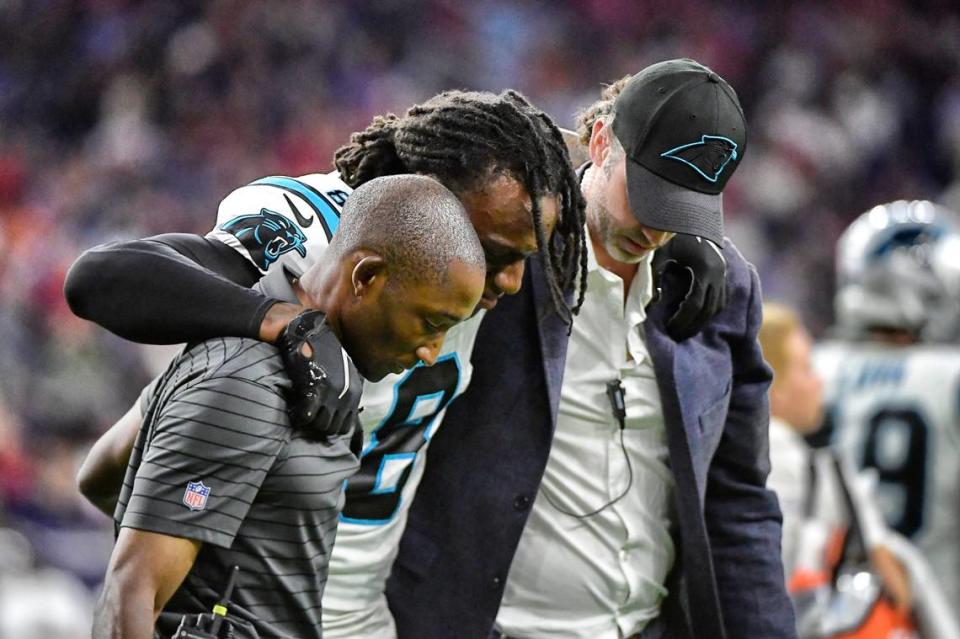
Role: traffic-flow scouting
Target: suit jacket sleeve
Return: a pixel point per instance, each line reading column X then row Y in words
column 742, row 515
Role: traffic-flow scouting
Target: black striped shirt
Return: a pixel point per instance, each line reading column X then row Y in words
column 216, row 420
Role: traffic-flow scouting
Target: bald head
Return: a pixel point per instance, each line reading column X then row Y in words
column 404, row 267
column 415, row 223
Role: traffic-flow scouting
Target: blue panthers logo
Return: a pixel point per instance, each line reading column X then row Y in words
column 266, row 236
column 708, row 157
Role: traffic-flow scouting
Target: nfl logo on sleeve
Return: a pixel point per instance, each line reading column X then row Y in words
column 195, row 496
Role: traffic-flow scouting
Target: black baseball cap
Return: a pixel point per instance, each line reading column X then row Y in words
column 684, row 134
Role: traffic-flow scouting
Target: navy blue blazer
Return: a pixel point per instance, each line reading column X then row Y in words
column 485, row 464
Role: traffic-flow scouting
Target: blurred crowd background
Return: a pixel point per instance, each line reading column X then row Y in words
column 125, row 118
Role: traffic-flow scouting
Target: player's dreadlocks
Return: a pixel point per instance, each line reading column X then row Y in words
column 466, row 138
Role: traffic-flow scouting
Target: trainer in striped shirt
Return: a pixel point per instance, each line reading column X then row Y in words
column 216, row 461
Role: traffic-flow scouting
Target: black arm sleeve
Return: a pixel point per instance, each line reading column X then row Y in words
column 167, row 289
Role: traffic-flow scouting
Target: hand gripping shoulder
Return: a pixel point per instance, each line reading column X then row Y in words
column 325, row 397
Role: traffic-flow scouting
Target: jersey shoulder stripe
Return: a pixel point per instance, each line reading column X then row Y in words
column 282, row 223
column 326, row 213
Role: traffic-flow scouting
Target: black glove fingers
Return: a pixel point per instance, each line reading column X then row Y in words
column 699, row 266
column 683, row 324
column 707, row 310
column 315, row 363
column 688, row 310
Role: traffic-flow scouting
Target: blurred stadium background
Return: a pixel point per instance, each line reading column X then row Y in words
column 125, row 118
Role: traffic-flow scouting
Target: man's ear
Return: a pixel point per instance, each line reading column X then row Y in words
column 599, row 145
column 369, row 275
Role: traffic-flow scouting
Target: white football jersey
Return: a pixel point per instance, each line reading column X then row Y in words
column 284, row 223
column 897, row 410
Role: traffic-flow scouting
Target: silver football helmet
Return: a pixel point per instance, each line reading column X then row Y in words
column 898, row 267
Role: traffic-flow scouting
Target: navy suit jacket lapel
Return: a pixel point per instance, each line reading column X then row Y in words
column 553, row 337
column 704, row 604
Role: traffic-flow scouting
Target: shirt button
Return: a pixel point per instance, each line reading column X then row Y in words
column 495, row 583
column 521, row 502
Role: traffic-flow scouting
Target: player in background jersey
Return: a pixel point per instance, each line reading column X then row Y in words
column 825, row 499
column 892, row 372
column 494, row 152
column 811, row 484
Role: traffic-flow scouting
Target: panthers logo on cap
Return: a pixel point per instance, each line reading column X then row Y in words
column 266, row 236
column 709, row 156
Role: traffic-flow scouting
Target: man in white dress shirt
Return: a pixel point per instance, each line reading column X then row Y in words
column 598, row 548
column 600, row 575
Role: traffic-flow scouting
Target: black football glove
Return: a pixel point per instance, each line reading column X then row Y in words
column 326, row 386
column 697, row 269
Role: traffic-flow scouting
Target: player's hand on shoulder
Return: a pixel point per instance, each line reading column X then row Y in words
column 326, row 389
column 697, row 272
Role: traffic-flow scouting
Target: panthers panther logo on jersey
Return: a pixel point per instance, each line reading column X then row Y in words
column 266, row 236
